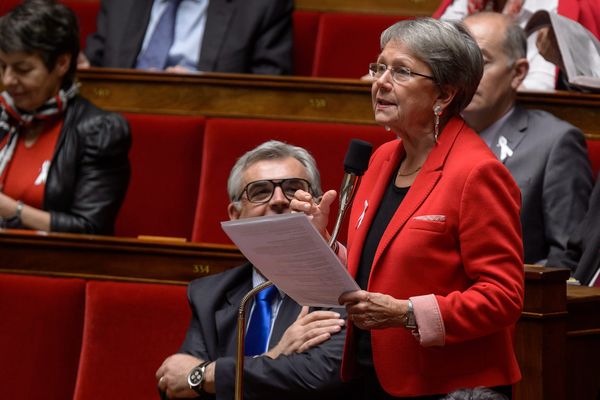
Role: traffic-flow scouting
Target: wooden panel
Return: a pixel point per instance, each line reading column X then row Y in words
column 393, row 7
column 557, row 338
column 91, row 256
column 287, row 98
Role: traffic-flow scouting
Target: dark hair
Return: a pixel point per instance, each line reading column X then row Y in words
column 45, row 28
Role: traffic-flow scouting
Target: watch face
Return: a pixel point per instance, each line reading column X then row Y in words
column 195, row 377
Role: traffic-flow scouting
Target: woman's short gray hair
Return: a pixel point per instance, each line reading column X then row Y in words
column 448, row 49
column 273, row 150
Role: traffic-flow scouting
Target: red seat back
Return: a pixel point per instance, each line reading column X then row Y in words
column 165, row 161
column 86, row 12
column 41, row 323
column 594, row 155
column 306, row 25
column 7, row 5
column 130, row 328
column 347, row 43
column 228, row 139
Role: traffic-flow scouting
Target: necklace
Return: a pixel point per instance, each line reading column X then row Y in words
column 410, row 173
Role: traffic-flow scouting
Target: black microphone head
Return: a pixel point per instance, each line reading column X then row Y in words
column 357, row 157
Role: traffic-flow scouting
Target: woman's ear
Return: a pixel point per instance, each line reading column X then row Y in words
column 63, row 63
column 445, row 96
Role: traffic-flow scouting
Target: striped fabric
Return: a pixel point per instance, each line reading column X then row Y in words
column 11, row 119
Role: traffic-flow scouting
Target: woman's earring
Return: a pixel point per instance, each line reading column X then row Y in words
column 387, row 128
column 437, row 111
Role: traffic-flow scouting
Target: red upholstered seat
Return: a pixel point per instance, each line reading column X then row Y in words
column 130, row 328
column 86, row 12
column 227, row 139
column 41, row 322
column 347, row 43
column 306, row 25
column 7, row 5
column 594, row 155
column 165, row 160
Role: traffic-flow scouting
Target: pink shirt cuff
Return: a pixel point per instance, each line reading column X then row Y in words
column 342, row 253
column 431, row 331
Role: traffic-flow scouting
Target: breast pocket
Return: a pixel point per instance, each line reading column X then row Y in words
column 433, row 223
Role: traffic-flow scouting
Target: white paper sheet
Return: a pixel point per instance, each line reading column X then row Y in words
column 288, row 250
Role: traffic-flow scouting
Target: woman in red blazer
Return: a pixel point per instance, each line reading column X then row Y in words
column 434, row 236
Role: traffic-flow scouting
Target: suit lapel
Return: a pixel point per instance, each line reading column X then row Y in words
column 513, row 131
column 134, row 26
column 226, row 316
column 422, row 186
column 218, row 18
column 287, row 314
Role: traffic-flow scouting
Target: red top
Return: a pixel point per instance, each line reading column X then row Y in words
column 25, row 175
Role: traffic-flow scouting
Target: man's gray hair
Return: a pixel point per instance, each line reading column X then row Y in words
column 514, row 44
column 448, row 49
column 515, row 41
column 273, row 150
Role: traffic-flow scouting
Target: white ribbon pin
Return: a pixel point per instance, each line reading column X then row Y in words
column 362, row 216
column 505, row 151
column 43, row 173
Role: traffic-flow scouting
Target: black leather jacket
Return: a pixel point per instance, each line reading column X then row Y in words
column 89, row 173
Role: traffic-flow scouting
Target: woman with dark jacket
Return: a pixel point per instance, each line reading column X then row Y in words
column 63, row 162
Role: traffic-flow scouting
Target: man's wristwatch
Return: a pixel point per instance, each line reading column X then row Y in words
column 410, row 322
column 196, row 377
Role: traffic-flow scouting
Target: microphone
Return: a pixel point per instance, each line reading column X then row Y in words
column 356, row 163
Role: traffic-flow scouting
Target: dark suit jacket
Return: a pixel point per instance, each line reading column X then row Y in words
column 212, row 336
column 583, row 248
column 551, row 166
column 240, row 36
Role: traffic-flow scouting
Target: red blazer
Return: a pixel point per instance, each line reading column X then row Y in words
column 470, row 258
column 583, row 11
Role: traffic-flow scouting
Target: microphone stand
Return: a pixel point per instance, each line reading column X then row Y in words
column 347, row 192
column 241, row 329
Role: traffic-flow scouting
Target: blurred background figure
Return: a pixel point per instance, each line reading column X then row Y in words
column 542, row 74
column 582, row 253
column 435, row 238
column 63, row 162
column 546, row 156
column 193, row 35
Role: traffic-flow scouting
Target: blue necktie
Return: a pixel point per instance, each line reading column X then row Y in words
column 257, row 335
column 157, row 50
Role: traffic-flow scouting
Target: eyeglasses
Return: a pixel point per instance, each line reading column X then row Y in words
column 399, row 74
column 260, row 192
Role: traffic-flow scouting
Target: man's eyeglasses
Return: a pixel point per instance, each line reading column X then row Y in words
column 262, row 191
column 399, row 74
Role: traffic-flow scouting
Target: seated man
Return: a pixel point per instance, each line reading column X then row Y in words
column 546, row 156
column 582, row 254
column 193, row 35
column 304, row 350
column 542, row 74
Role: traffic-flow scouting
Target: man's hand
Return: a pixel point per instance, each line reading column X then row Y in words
column 309, row 330
column 172, row 376
column 82, row 61
column 316, row 209
column 547, row 45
